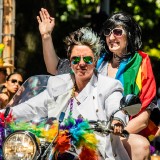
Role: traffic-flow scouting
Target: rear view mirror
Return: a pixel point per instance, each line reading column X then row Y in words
column 130, row 104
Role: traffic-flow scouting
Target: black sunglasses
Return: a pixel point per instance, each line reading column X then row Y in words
column 77, row 59
column 118, row 32
column 16, row 81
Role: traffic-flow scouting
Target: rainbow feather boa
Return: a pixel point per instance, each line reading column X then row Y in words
column 75, row 132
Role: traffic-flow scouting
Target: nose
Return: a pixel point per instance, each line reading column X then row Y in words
column 111, row 36
column 82, row 63
column 17, row 84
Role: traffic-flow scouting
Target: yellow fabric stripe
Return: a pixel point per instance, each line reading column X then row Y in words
column 139, row 79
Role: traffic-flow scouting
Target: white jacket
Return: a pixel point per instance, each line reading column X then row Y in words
column 101, row 93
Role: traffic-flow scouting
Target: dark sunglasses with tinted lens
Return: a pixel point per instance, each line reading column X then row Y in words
column 77, row 59
column 16, row 81
column 118, row 32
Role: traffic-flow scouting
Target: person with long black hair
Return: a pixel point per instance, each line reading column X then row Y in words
column 122, row 59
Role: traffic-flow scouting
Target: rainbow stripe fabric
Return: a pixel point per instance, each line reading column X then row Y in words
column 137, row 78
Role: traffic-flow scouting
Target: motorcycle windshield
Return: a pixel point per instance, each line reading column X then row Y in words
column 30, row 88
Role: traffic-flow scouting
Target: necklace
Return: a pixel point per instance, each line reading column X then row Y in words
column 71, row 101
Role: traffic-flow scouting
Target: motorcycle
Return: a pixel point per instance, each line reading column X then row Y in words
column 48, row 138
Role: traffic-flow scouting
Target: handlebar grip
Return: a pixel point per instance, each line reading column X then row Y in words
column 6, row 112
column 92, row 122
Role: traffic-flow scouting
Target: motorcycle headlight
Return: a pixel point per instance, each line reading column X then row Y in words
column 20, row 145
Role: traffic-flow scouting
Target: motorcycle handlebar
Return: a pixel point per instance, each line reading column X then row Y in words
column 101, row 127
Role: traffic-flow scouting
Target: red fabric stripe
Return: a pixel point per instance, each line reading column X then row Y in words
column 148, row 91
column 150, row 130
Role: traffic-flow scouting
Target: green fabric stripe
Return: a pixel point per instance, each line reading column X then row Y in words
column 130, row 74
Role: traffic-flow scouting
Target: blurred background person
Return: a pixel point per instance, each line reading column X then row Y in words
column 4, row 68
column 13, row 83
column 3, row 76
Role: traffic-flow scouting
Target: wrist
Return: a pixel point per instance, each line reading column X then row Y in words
column 45, row 35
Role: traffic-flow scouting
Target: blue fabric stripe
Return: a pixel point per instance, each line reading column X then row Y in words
column 120, row 71
column 100, row 60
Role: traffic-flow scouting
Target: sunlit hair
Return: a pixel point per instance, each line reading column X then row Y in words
column 131, row 27
column 84, row 36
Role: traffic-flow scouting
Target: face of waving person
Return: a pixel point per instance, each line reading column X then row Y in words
column 82, row 62
column 116, row 40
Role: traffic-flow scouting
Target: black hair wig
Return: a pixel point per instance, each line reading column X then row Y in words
column 131, row 27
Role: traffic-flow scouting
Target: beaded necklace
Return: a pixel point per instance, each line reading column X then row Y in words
column 71, row 101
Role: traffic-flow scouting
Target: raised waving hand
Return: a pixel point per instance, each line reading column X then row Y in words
column 46, row 22
column 46, row 26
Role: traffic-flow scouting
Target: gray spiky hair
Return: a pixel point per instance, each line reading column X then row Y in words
column 84, row 36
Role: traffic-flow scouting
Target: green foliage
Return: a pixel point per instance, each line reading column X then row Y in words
column 76, row 9
column 153, row 52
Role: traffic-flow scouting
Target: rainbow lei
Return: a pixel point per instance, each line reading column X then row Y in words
column 75, row 132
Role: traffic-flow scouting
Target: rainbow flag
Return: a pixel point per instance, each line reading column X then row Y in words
column 137, row 78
